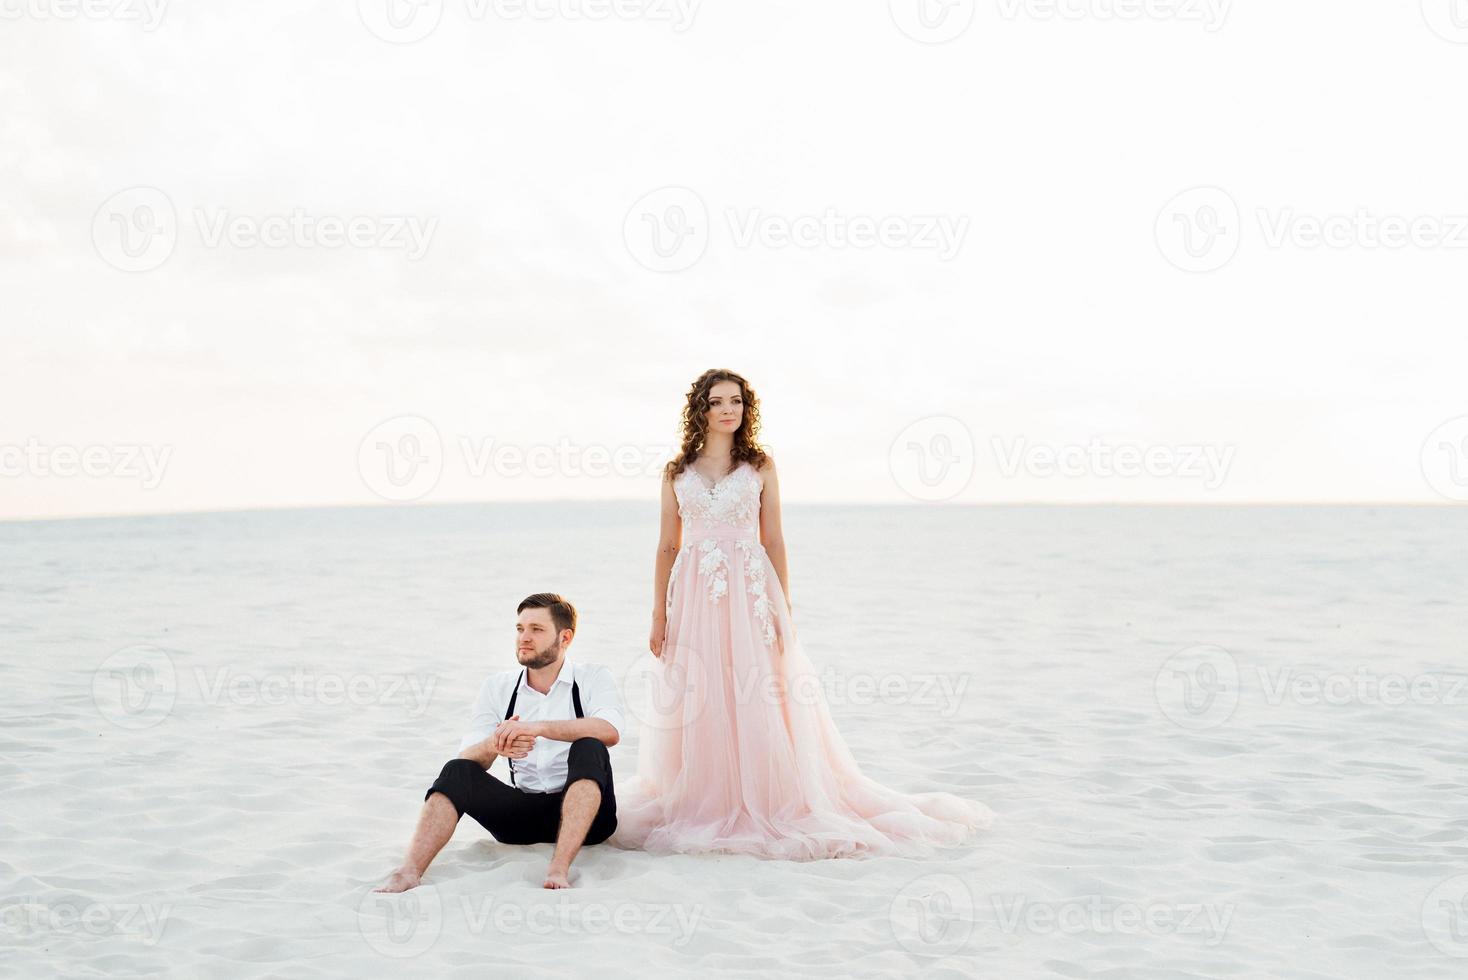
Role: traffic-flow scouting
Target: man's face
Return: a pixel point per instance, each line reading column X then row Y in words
column 537, row 644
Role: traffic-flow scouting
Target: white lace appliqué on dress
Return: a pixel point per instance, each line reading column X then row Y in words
column 713, row 566
column 754, row 572
column 731, row 509
column 733, row 500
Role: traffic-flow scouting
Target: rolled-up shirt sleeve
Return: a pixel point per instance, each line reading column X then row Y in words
column 600, row 698
column 483, row 718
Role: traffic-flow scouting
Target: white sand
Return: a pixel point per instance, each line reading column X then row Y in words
column 232, row 838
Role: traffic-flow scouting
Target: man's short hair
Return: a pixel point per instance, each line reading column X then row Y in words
column 562, row 613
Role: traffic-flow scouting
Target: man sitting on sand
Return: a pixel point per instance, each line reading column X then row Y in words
column 554, row 721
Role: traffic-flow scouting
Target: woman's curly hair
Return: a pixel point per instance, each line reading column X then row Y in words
column 695, row 424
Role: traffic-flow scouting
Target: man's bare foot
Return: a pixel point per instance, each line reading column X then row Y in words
column 557, row 878
column 402, row 880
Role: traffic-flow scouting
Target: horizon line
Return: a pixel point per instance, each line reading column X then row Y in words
column 387, row 505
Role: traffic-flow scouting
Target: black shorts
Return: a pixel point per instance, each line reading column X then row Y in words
column 513, row 816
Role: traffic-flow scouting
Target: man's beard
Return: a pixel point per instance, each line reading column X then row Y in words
column 542, row 658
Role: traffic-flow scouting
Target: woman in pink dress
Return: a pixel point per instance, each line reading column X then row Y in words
column 737, row 751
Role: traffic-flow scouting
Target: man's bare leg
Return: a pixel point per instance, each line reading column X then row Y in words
column 578, row 810
column 436, row 825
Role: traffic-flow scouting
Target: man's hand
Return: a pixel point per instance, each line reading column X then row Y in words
column 507, row 731
column 521, row 746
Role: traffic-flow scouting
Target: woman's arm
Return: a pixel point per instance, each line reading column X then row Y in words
column 670, row 539
column 771, row 535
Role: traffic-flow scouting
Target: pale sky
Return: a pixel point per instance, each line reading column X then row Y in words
column 968, row 271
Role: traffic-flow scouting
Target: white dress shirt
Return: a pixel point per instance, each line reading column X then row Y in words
column 544, row 769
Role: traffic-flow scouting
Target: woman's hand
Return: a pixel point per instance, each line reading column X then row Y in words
column 659, row 635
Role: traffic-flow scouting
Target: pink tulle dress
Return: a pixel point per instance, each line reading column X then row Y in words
column 737, row 751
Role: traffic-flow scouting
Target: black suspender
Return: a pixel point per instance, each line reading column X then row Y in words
column 510, row 710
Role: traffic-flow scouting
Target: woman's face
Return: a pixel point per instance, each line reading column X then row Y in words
column 726, row 407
